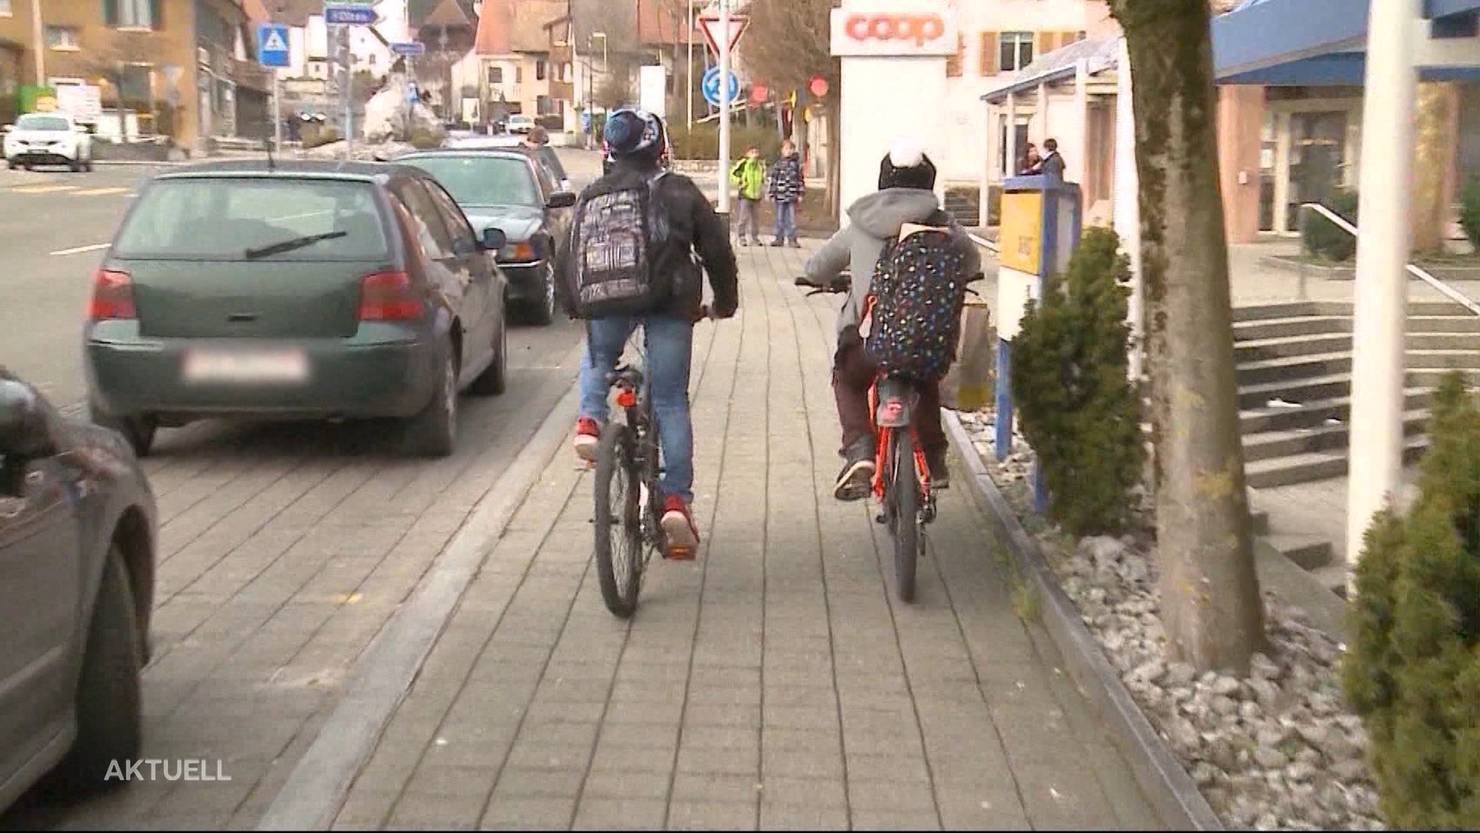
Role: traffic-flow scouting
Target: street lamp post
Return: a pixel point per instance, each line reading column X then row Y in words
column 37, row 38
column 724, row 109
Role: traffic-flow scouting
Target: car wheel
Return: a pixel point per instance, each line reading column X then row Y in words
column 11, row 164
column 433, row 432
column 139, row 431
column 109, row 726
column 76, row 166
column 494, row 380
column 541, row 310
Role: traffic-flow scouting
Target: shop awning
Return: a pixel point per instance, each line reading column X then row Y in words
column 1310, row 42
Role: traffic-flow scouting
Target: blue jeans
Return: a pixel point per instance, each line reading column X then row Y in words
column 786, row 221
column 669, row 342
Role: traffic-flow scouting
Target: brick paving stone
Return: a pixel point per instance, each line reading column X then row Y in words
column 711, row 815
column 544, row 813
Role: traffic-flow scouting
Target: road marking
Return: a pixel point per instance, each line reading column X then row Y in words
column 80, row 249
column 42, row 189
column 99, row 192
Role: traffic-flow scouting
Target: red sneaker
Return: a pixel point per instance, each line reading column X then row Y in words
column 588, row 436
column 679, row 530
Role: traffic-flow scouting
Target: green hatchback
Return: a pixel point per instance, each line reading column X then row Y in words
column 302, row 290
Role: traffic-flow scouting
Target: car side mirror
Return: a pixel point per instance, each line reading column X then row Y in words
column 25, row 431
column 494, row 239
column 561, row 199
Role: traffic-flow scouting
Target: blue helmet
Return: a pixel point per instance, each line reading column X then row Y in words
column 630, row 131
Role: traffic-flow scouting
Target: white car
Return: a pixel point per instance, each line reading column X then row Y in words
column 48, row 139
column 520, row 124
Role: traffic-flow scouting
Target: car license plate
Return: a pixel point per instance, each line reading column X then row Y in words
column 246, row 366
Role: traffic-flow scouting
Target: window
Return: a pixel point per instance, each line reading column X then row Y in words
column 518, row 75
column 495, row 75
column 539, row 70
column 131, row 14
column 430, row 233
column 956, row 61
column 1016, row 51
column 5, row 8
column 373, row 58
column 62, row 38
column 461, row 234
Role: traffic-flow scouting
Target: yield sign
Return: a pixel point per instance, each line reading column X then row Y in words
column 710, row 26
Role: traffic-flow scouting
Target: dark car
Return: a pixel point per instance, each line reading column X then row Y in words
column 305, row 290
column 511, row 191
column 77, row 558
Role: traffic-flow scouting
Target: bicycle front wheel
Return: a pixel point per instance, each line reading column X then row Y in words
column 904, row 493
column 618, row 520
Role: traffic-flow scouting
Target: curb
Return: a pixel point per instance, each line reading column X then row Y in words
column 382, row 675
column 1157, row 771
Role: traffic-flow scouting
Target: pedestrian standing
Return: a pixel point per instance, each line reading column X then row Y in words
column 1053, row 163
column 749, row 178
column 787, row 187
column 1031, row 163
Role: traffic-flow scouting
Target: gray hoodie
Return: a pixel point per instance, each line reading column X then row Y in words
column 874, row 219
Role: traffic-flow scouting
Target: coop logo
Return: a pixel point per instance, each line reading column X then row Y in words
column 921, row 29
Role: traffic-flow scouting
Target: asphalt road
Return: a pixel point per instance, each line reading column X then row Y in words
column 284, row 548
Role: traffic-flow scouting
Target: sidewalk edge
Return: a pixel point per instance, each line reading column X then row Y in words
column 316, row 789
column 1158, row 772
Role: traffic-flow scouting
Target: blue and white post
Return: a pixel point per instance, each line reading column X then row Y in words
column 1041, row 219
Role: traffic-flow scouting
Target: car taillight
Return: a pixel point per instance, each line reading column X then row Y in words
column 112, row 296
column 389, row 296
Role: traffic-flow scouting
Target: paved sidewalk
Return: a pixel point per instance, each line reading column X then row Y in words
column 776, row 681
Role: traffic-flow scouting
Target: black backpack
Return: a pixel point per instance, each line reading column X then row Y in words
column 919, row 290
column 618, row 226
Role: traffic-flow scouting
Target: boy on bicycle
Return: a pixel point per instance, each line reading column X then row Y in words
column 690, row 226
column 906, row 195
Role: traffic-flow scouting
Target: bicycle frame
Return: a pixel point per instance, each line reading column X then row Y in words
column 631, row 386
column 892, row 403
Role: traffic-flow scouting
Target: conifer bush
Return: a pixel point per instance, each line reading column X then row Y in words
column 1469, row 212
column 1323, row 238
column 1413, row 673
column 1077, row 407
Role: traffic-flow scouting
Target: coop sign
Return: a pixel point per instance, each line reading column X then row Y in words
column 893, row 33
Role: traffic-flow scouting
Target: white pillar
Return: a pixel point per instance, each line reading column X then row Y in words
column 1043, row 134
column 1381, row 283
column 38, row 40
column 1012, row 148
column 992, row 164
column 1079, row 162
column 724, row 107
column 1128, row 206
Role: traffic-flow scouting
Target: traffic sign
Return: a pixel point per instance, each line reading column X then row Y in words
column 759, row 94
column 272, row 45
column 711, row 87
column 349, row 14
column 710, row 26
column 413, row 49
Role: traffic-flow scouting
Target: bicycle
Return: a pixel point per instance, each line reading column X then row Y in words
column 907, row 505
column 629, row 502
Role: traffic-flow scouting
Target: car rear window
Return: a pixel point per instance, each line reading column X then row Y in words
column 252, row 218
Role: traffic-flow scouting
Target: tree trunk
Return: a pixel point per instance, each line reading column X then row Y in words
column 1435, row 142
column 834, row 156
column 1210, row 601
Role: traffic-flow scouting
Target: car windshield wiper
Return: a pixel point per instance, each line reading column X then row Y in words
column 290, row 245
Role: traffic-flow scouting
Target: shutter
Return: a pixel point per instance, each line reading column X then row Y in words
column 156, row 14
column 989, row 53
column 955, row 62
column 110, row 12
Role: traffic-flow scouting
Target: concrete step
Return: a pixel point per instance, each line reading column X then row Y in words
column 1432, row 377
column 1269, row 445
column 1442, row 360
column 1444, row 341
column 1314, row 465
column 1309, row 551
column 1466, row 323
column 1258, row 522
column 1264, row 349
column 1257, row 397
column 1316, row 412
column 1293, row 368
column 1305, row 325
column 1262, row 312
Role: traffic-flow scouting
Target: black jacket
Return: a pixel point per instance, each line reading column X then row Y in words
column 693, row 230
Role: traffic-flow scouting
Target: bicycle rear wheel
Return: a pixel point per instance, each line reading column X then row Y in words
column 618, row 521
column 904, row 492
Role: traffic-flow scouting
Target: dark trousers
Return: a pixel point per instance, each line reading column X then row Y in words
column 853, row 374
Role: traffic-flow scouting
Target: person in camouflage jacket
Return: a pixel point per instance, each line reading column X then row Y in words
column 787, row 187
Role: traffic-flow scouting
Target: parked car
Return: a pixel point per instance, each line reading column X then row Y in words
column 302, row 290
column 519, row 123
column 48, row 139
column 511, row 191
column 78, row 527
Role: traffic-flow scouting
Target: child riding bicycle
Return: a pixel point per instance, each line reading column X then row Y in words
column 906, row 196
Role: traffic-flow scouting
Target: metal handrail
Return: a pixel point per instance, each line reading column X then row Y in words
column 985, row 243
column 1444, row 289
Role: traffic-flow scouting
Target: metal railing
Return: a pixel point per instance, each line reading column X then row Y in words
column 1440, row 286
column 985, row 243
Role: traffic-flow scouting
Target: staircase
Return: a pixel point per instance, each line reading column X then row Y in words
column 1294, row 363
column 964, row 203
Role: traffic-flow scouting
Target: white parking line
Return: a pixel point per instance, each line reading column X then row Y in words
column 80, row 249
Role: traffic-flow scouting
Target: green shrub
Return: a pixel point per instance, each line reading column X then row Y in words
column 423, row 139
column 1078, row 409
column 1469, row 212
column 703, row 141
column 1323, row 238
column 318, row 135
column 1413, row 673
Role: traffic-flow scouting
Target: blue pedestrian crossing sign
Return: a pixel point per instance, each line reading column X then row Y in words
column 272, row 45
column 711, row 87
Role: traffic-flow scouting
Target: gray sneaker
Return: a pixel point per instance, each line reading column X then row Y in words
column 856, row 480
